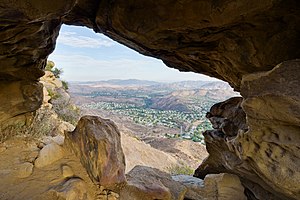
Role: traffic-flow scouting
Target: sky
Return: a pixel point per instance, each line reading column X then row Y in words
column 84, row 55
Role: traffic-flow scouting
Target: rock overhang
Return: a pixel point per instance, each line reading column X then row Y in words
column 226, row 39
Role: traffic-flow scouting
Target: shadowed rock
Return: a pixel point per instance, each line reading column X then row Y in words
column 228, row 117
column 96, row 142
column 266, row 157
column 230, row 40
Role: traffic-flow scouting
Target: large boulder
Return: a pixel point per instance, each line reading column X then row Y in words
column 214, row 186
column 96, row 142
column 149, row 183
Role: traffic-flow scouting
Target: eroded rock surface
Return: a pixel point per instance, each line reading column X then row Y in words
column 266, row 157
column 22, row 179
column 228, row 117
column 149, row 183
column 214, row 186
column 96, row 142
column 224, row 39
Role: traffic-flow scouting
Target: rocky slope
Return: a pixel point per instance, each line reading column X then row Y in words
column 43, row 154
column 253, row 46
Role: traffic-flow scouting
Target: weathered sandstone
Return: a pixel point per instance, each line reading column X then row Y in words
column 236, row 41
column 96, row 142
column 266, row 157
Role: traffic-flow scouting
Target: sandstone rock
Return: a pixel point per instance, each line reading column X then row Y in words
column 72, row 189
column 223, row 187
column 96, row 142
column 19, row 97
column 228, row 117
column 214, row 186
column 67, row 171
column 25, row 170
column 46, row 96
column 149, row 183
column 224, row 39
column 195, row 186
column 49, row 154
column 265, row 157
column 2, row 149
column 64, row 126
column 107, row 195
column 49, row 78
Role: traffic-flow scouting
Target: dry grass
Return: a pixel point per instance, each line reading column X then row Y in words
column 180, row 169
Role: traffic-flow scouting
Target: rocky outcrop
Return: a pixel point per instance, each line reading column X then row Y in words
column 96, row 142
column 60, row 177
column 223, row 39
column 229, row 40
column 228, row 117
column 19, row 97
column 266, row 157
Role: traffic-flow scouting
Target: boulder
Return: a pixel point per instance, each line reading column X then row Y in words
column 72, row 189
column 195, row 186
column 149, row 183
column 25, row 170
column 214, row 186
column 96, row 142
column 49, row 154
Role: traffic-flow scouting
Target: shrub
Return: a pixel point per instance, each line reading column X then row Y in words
column 65, row 85
column 68, row 113
column 53, row 94
column 180, row 169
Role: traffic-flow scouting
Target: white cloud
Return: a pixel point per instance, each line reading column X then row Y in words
column 74, row 40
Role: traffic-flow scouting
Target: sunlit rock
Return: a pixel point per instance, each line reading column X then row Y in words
column 96, row 142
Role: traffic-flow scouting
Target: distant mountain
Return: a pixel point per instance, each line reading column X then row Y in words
column 120, row 82
column 216, row 85
column 187, row 84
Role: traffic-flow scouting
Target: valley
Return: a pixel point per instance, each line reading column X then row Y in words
column 153, row 109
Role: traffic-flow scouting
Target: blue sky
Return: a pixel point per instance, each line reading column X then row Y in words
column 86, row 56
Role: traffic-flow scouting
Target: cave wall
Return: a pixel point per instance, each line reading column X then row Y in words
column 236, row 41
column 265, row 153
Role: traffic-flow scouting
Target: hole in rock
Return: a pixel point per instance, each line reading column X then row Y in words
column 150, row 102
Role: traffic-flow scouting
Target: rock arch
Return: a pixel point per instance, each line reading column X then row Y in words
column 236, row 41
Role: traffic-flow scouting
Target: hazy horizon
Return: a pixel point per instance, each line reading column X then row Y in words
column 86, row 56
column 169, row 81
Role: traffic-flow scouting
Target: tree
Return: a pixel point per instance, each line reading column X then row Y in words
column 57, row 72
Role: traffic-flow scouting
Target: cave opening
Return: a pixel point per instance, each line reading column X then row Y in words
column 146, row 99
column 254, row 47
